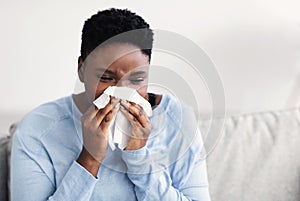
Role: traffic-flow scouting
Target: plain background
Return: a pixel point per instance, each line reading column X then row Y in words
column 255, row 45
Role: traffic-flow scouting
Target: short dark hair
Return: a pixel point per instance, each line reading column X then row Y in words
column 109, row 23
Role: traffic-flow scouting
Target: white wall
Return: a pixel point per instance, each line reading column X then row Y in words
column 255, row 45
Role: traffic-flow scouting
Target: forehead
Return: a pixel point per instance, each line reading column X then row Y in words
column 117, row 54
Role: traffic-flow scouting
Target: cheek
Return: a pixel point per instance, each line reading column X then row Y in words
column 143, row 91
column 95, row 89
column 101, row 87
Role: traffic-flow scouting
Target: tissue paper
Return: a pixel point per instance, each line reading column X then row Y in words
column 120, row 127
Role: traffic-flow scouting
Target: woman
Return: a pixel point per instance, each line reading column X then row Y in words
column 61, row 152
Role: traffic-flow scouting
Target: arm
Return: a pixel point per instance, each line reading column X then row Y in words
column 32, row 175
column 190, row 183
column 151, row 175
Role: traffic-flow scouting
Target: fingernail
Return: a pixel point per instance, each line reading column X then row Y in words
column 117, row 106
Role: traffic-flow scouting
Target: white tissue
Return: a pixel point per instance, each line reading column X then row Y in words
column 120, row 127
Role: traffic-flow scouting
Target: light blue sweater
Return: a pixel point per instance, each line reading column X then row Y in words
column 49, row 140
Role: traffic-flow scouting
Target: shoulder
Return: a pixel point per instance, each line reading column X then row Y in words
column 37, row 122
column 187, row 143
column 177, row 119
column 177, row 110
column 179, row 137
column 182, row 120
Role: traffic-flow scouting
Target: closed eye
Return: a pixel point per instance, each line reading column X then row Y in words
column 137, row 81
column 106, row 78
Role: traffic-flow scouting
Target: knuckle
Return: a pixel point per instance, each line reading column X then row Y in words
column 141, row 112
column 101, row 111
column 107, row 118
column 129, row 107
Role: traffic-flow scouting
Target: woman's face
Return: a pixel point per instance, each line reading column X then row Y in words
column 114, row 65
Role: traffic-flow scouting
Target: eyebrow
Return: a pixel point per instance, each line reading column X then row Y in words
column 137, row 73
column 104, row 70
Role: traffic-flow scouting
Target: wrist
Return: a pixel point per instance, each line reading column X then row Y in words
column 87, row 161
column 135, row 144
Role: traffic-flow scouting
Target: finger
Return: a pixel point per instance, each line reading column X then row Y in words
column 137, row 111
column 140, row 133
column 90, row 113
column 102, row 113
column 133, row 108
column 108, row 118
column 132, row 119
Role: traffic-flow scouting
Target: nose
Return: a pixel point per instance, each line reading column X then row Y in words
column 122, row 83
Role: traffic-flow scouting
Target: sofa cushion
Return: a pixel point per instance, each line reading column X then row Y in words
column 256, row 158
column 5, row 153
column 4, row 173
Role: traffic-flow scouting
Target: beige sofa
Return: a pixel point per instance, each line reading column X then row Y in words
column 256, row 158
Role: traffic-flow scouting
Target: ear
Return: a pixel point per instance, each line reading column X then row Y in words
column 80, row 69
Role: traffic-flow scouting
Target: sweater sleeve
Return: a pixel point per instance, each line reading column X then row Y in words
column 186, row 181
column 32, row 175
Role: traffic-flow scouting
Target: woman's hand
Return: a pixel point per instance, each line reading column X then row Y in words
column 141, row 125
column 95, row 124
